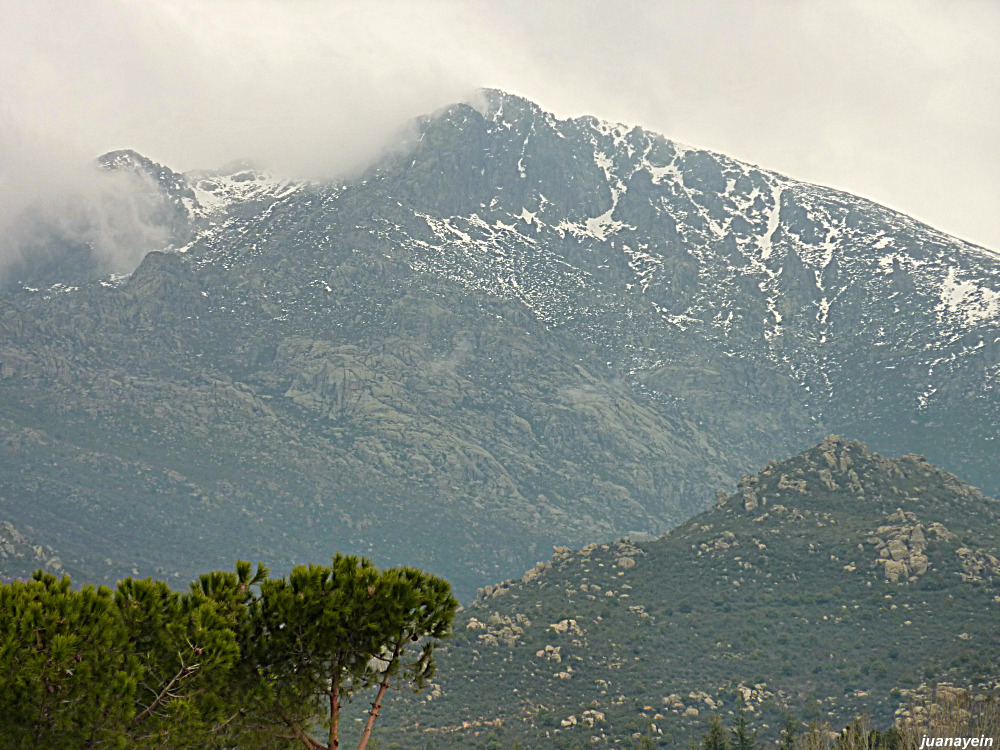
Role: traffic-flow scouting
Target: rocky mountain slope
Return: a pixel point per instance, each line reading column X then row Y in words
column 21, row 555
column 513, row 332
column 829, row 584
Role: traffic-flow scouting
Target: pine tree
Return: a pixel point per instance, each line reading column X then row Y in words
column 188, row 645
column 715, row 737
column 236, row 661
column 787, row 736
column 67, row 675
column 326, row 633
column 742, row 736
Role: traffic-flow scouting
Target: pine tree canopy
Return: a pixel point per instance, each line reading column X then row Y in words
column 237, row 660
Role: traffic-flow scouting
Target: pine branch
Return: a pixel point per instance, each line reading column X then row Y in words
column 165, row 693
column 306, row 740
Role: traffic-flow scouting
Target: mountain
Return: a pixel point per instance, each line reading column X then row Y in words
column 21, row 555
column 827, row 585
column 122, row 209
column 511, row 332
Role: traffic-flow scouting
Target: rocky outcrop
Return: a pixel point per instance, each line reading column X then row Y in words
column 723, row 541
column 784, row 483
column 536, row 572
column 20, row 555
column 566, row 626
column 588, row 718
column 550, row 653
column 500, row 630
column 900, row 546
column 978, row 565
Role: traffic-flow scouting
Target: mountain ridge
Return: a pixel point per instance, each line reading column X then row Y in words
column 520, row 328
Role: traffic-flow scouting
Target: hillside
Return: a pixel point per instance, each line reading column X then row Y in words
column 21, row 554
column 827, row 585
column 512, row 333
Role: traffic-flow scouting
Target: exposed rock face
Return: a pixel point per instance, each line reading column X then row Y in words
column 536, row 571
column 537, row 331
column 827, row 479
column 589, row 718
column 978, row 565
column 501, row 630
column 725, row 540
column 550, row 652
column 901, row 547
column 785, row 483
column 566, row 626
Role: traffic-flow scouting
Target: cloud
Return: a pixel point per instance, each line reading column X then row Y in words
column 105, row 222
column 57, row 203
column 894, row 100
column 308, row 89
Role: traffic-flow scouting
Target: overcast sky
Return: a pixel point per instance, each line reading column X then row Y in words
column 896, row 101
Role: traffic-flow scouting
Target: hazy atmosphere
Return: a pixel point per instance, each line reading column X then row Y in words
column 895, row 101
column 495, row 375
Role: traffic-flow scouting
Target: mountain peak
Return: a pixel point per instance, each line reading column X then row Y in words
column 732, row 602
column 838, row 470
column 498, row 105
column 173, row 185
column 127, row 159
column 602, row 329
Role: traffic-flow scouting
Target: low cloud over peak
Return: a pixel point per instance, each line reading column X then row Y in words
column 889, row 100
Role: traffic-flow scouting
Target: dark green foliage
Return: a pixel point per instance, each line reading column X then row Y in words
column 190, row 647
column 743, row 738
column 786, row 738
column 715, row 737
column 327, row 632
column 238, row 660
column 67, row 673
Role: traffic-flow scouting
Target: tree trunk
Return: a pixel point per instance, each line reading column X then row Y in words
column 377, row 705
column 334, row 739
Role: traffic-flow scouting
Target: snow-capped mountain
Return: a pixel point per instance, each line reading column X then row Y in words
column 566, row 329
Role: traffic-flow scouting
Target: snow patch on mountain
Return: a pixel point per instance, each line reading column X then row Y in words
column 773, row 221
column 216, row 191
column 968, row 300
column 678, row 242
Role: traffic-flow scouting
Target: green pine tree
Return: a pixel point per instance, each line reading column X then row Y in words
column 189, row 647
column 715, row 737
column 788, row 734
column 67, row 674
column 327, row 633
column 236, row 661
column 743, row 738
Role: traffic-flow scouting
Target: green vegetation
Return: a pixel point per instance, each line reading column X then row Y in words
column 791, row 592
column 238, row 660
column 942, row 712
